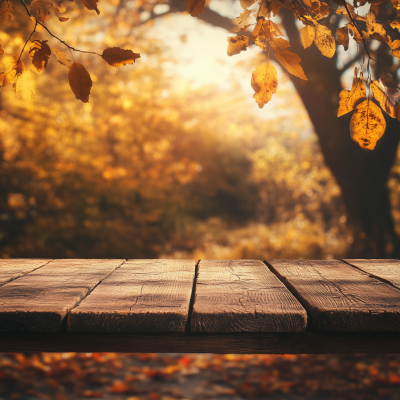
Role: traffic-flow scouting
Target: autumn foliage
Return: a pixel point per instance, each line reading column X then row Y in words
column 254, row 24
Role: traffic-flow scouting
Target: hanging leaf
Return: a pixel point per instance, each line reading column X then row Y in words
column 354, row 32
column 343, row 37
column 350, row 99
column 325, row 41
column 237, row 44
column 243, row 28
column 367, row 124
column 80, row 82
column 264, row 81
column 6, row 10
column 243, row 16
column 11, row 69
column 1, row 51
column 257, row 29
column 307, row 35
column 40, row 53
column 117, row 57
column 395, row 24
column 195, row 7
column 61, row 57
column 289, row 60
column 387, row 97
column 91, row 5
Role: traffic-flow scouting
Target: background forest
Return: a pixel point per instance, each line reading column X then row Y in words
column 171, row 158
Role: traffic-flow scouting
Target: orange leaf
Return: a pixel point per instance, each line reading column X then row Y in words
column 40, row 53
column 387, row 97
column 195, row 7
column 367, row 124
column 5, row 11
column 91, row 5
column 117, row 57
column 80, row 82
column 237, row 44
column 264, row 81
column 350, row 99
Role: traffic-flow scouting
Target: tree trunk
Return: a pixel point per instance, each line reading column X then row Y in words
column 361, row 174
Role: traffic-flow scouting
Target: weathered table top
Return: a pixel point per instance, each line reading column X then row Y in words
column 218, row 306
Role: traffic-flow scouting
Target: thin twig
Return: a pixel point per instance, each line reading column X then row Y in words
column 55, row 37
column 22, row 51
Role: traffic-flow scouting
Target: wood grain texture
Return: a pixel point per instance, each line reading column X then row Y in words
column 231, row 343
column 40, row 300
column 386, row 270
column 340, row 298
column 11, row 269
column 243, row 296
column 141, row 296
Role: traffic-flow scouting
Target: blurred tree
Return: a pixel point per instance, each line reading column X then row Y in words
column 362, row 175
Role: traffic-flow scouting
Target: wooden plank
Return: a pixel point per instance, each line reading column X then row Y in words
column 243, row 296
column 340, row 298
column 230, row 343
column 386, row 270
column 14, row 268
column 40, row 300
column 141, row 296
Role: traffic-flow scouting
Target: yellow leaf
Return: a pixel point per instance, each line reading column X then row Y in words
column 195, row 7
column 117, row 57
column 325, row 41
column 395, row 44
column 80, row 82
column 91, row 5
column 61, row 57
column 396, row 53
column 350, row 99
column 270, row 29
column 243, row 28
column 343, row 37
column 307, row 35
column 289, row 60
column 11, row 71
column 387, row 97
column 354, row 32
column 396, row 6
column 257, row 29
column 274, row 6
column 5, row 11
column 1, row 51
column 367, row 124
column 243, row 16
column 237, row 44
column 395, row 24
column 264, row 81
column 40, row 53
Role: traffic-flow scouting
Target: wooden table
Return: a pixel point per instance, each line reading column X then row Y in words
column 213, row 306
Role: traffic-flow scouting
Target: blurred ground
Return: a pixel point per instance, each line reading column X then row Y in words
column 63, row 376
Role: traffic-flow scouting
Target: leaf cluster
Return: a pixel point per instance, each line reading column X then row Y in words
column 255, row 23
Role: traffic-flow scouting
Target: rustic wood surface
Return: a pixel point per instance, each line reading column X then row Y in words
column 40, row 300
column 339, row 297
column 11, row 269
column 243, row 296
column 141, row 296
column 230, row 343
column 386, row 270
